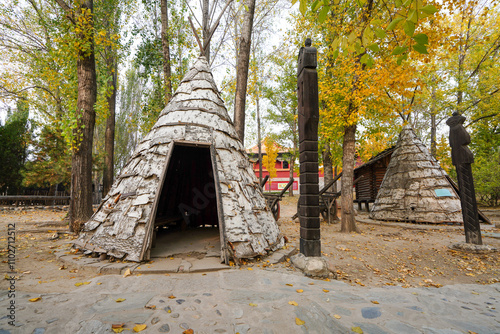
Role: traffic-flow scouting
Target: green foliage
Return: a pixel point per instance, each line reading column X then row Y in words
column 486, row 180
column 282, row 96
column 367, row 29
column 52, row 160
column 13, row 149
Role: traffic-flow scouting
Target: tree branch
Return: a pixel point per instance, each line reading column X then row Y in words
column 481, row 118
column 67, row 9
column 477, row 102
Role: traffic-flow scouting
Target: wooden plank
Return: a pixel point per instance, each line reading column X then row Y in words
column 150, row 223
column 33, row 198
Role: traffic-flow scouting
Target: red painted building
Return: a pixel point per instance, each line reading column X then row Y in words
column 282, row 166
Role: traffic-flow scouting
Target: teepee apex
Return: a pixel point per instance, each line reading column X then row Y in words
column 415, row 188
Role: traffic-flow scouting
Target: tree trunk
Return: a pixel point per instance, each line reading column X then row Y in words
column 165, row 43
column 433, row 121
column 335, row 173
column 290, row 192
column 242, row 70
column 327, row 164
column 259, row 143
column 109, row 135
column 348, row 223
column 81, row 164
column 206, row 27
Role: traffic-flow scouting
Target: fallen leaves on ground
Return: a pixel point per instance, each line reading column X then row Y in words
column 336, row 316
column 127, row 273
column 293, row 303
column 119, row 300
column 140, row 328
column 82, row 283
column 117, row 328
column 35, row 299
column 299, row 322
column 252, row 304
column 357, row 330
column 299, row 290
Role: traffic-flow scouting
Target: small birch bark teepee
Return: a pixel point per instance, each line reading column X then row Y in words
column 190, row 162
column 415, row 187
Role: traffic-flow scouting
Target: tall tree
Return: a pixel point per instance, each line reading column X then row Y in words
column 243, row 60
column 14, row 137
column 110, row 13
column 165, row 43
column 81, row 17
column 356, row 34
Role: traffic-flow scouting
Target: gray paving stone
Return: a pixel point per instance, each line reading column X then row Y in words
column 51, row 320
column 4, row 331
column 93, row 327
column 241, row 328
column 430, row 330
column 371, row 312
column 401, row 327
column 370, row 328
column 415, row 308
column 237, row 313
column 185, row 266
column 39, row 330
column 207, row 264
column 163, row 266
column 341, row 311
column 165, row 328
column 137, row 316
column 317, row 320
column 474, row 327
column 116, row 268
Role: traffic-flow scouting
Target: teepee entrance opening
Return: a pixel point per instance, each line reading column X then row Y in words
column 187, row 219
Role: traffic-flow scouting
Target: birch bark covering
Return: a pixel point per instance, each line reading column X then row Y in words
column 196, row 113
column 408, row 190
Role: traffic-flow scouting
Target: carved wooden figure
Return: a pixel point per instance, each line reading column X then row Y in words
column 308, row 107
column 462, row 158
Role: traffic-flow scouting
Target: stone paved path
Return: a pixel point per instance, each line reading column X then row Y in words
column 254, row 301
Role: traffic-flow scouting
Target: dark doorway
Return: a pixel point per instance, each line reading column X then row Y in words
column 188, row 197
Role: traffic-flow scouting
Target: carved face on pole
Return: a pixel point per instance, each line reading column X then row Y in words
column 459, row 139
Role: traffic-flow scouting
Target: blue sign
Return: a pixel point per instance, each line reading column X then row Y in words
column 443, row 193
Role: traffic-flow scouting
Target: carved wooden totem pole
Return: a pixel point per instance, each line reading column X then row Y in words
column 462, row 158
column 308, row 107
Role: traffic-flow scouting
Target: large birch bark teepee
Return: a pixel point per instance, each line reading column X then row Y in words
column 192, row 167
column 415, row 187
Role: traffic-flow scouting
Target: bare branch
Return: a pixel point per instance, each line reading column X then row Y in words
column 485, row 56
column 216, row 24
column 196, row 35
column 192, row 13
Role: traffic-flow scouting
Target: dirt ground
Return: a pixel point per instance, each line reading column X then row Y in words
column 408, row 255
column 403, row 254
